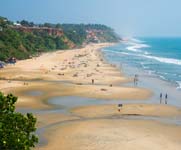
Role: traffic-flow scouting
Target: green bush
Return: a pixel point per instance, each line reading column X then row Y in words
column 16, row 129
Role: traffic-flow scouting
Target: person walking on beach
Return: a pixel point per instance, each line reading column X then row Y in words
column 166, row 97
column 136, row 80
column 160, row 98
column 92, row 81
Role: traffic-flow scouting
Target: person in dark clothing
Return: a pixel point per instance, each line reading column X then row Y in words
column 119, row 107
column 92, row 81
column 166, row 97
column 160, row 98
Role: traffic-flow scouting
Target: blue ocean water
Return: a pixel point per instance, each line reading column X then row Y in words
column 158, row 56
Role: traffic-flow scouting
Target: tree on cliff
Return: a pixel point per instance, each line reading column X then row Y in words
column 27, row 23
column 16, row 130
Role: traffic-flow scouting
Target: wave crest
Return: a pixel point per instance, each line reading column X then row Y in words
column 179, row 85
column 135, row 47
column 164, row 60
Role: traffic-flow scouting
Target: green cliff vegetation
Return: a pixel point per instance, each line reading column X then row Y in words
column 25, row 39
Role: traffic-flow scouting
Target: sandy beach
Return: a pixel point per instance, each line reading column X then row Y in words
column 127, row 109
column 114, row 134
column 71, row 72
column 84, row 73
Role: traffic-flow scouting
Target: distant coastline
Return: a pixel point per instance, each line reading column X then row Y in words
column 25, row 39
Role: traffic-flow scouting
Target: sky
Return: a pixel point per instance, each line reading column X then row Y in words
column 129, row 18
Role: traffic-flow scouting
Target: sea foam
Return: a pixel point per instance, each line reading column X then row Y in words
column 179, row 85
column 135, row 47
column 163, row 59
column 146, row 55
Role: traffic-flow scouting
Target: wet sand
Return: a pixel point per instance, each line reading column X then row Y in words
column 83, row 72
column 114, row 134
column 46, row 119
column 127, row 109
column 68, row 72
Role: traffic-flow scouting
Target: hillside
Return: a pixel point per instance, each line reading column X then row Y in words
column 25, row 39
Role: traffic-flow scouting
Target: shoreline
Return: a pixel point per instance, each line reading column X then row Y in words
column 105, row 75
column 81, row 73
column 147, row 79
